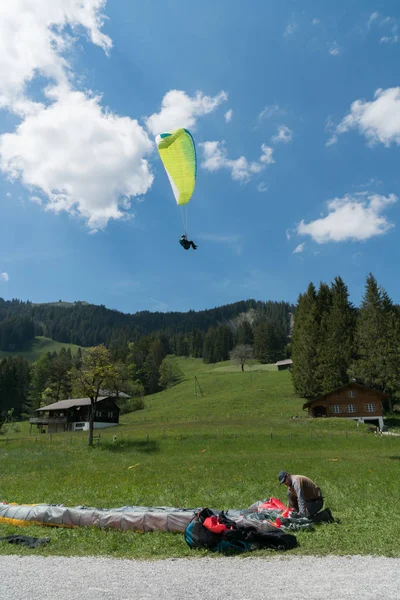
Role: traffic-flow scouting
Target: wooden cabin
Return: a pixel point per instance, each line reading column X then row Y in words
column 351, row 401
column 73, row 415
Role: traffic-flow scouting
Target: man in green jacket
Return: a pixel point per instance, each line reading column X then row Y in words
column 304, row 496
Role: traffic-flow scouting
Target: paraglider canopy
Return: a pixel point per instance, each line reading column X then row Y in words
column 178, row 154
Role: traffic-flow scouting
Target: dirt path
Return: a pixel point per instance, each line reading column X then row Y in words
column 275, row 578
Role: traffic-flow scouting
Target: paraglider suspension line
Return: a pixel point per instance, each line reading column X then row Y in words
column 184, row 216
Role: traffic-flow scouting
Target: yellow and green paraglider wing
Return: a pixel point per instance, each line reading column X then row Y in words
column 178, row 154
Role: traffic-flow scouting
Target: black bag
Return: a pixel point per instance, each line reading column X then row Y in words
column 276, row 540
column 25, row 540
column 198, row 536
column 237, row 538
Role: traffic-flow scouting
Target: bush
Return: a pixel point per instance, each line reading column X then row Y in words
column 132, row 405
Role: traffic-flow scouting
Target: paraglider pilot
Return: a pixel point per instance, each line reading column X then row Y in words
column 304, row 496
column 185, row 243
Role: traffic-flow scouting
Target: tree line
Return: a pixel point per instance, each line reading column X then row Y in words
column 89, row 325
column 334, row 342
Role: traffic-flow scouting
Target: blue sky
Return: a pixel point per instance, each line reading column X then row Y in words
column 295, row 110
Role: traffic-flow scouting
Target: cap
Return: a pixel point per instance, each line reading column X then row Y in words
column 282, row 476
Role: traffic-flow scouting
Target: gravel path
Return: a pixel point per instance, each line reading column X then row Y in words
column 300, row 578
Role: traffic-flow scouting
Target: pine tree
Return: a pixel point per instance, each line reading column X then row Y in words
column 40, row 374
column 336, row 339
column 245, row 334
column 304, row 344
column 377, row 362
column 209, row 346
column 269, row 342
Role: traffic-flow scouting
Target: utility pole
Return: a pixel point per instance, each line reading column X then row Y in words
column 197, row 385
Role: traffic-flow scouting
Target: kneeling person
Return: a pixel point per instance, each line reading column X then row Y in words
column 304, row 496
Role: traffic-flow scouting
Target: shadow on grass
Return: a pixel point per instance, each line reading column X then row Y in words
column 144, row 446
column 394, row 457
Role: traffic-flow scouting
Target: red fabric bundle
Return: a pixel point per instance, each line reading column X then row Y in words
column 214, row 525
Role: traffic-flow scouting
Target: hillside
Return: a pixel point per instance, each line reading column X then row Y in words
column 86, row 324
column 38, row 346
column 261, row 398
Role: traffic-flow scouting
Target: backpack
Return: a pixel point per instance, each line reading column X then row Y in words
column 198, row 536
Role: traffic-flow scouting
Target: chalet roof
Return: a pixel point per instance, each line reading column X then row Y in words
column 287, row 361
column 62, row 404
column 354, row 384
column 108, row 394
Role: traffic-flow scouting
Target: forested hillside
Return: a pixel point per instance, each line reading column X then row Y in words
column 89, row 325
column 138, row 346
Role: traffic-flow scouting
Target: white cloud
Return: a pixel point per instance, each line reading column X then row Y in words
column 266, row 156
column 36, row 200
column 262, row 187
column 390, row 39
column 33, row 40
column 378, row 121
column 284, row 135
column 180, row 110
column 84, row 160
column 334, row 49
column 315, row 21
column 216, row 158
column 228, row 115
column 373, row 17
column 4, row 277
column 299, row 249
column 81, row 158
column 271, row 110
column 389, row 24
column 354, row 217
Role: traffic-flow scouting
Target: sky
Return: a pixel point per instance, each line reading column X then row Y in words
column 295, row 111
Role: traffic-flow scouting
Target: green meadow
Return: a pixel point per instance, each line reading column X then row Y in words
column 39, row 346
column 217, row 441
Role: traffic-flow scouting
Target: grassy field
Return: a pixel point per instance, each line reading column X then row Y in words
column 222, row 449
column 41, row 345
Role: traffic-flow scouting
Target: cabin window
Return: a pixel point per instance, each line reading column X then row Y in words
column 351, row 408
column 370, row 407
column 336, row 408
column 351, row 394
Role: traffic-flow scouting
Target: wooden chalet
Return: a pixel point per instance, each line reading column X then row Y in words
column 351, row 401
column 73, row 415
